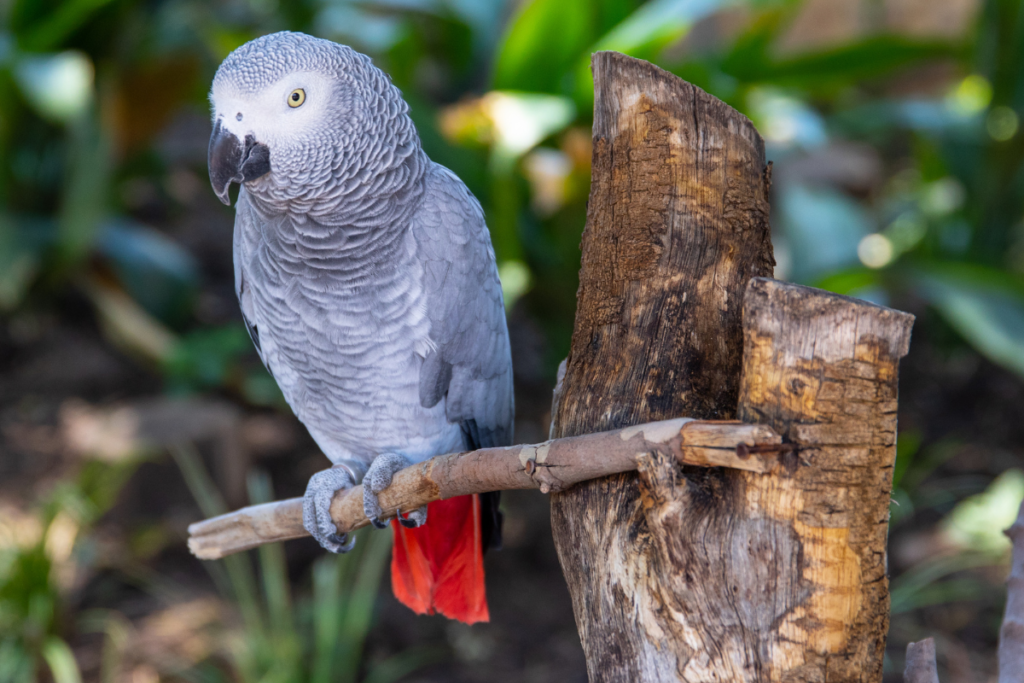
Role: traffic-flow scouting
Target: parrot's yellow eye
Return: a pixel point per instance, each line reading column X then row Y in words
column 296, row 98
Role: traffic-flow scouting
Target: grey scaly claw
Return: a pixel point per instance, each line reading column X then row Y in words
column 417, row 517
column 378, row 478
column 316, row 508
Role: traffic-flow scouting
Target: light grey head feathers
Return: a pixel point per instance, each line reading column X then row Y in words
column 348, row 152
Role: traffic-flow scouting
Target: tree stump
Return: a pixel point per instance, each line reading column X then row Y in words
column 677, row 223
column 709, row 574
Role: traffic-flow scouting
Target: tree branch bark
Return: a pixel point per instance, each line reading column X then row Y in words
column 921, row 666
column 683, row 574
column 551, row 466
column 677, row 223
column 1011, row 634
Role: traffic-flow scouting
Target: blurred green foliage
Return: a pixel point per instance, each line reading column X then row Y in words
column 501, row 93
column 899, row 177
column 316, row 640
column 42, row 556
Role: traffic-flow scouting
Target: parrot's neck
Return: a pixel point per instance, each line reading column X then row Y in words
column 357, row 199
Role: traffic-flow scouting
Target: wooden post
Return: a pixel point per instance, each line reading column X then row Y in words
column 677, row 224
column 822, row 369
column 680, row 574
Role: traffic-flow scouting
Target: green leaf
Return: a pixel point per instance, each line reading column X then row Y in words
column 908, row 443
column 982, row 305
column 976, row 524
column 644, row 34
column 61, row 661
column 20, row 256
column 547, row 37
column 154, row 269
column 58, row 86
column 363, row 596
column 863, row 60
column 208, row 357
column 920, row 585
column 84, row 200
column 60, row 23
column 543, row 40
column 822, row 227
column 273, row 567
column 850, row 281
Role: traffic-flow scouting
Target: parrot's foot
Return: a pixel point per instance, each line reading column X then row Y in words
column 378, row 478
column 316, row 508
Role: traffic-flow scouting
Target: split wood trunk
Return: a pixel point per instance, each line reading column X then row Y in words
column 699, row 574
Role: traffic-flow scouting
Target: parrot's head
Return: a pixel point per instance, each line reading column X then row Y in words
column 302, row 120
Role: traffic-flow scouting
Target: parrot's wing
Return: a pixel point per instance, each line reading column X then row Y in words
column 243, row 245
column 469, row 364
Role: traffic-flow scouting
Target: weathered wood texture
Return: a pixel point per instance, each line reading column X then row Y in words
column 549, row 466
column 719, row 575
column 921, row 666
column 677, row 224
column 1011, row 634
column 822, row 370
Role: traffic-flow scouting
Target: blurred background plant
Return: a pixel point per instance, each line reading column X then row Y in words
column 894, row 128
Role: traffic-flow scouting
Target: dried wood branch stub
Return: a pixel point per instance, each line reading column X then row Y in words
column 1011, row 634
column 550, row 466
column 822, row 369
column 921, row 666
column 677, row 223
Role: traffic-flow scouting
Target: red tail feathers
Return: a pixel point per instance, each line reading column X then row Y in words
column 439, row 567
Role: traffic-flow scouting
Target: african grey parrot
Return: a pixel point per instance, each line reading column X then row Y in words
column 367, row 281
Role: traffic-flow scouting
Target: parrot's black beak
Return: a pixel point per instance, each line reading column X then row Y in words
column 234, row 161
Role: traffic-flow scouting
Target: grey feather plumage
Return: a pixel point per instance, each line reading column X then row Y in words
column 365, row 271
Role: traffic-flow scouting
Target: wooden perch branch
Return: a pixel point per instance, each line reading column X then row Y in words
column 551, row 466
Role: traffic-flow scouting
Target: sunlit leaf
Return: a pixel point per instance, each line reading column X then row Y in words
column 542, row 41
column 785, row 121
column 127, row 324
column 547, row 38
column 515, row 281
column 521, row 120
column 977, row 523
column 59, row 86
column 644, row 34
column 61, row 661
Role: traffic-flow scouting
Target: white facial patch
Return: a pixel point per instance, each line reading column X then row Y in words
column 266, row 114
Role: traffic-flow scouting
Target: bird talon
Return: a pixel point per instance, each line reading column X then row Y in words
column 414, row 519
column 378, row 478
column 342, row 543
column 316, row 509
